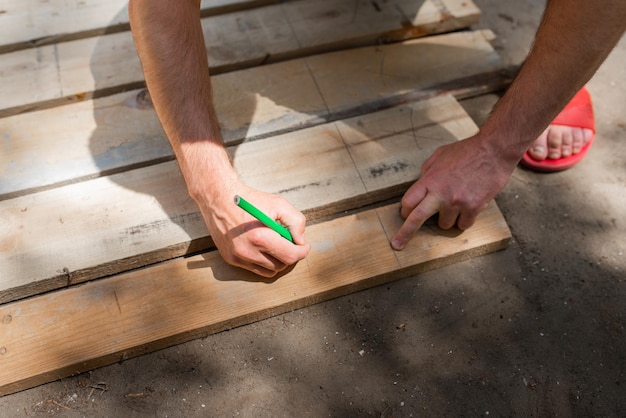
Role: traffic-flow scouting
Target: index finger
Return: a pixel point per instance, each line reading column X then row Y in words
column 414, row 221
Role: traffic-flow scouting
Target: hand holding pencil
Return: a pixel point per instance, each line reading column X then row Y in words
column 239, row 229
column 263, row 218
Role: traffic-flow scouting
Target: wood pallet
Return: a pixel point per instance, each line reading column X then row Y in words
column 90, row 191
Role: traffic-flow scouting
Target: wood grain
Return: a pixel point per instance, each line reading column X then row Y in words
column 114, row 223
column 98, row 137
column 77, row 329
column 65, row 72
column 26, row 23
column 94, row 213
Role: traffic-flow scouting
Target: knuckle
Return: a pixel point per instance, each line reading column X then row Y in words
column 405, row 202
column 256, row 236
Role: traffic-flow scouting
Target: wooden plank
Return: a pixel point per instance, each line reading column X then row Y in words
column 400, row 70
column 26, row 23
column 85, row 68
column 367, row 22
column 91, row 138
column 111, row 224
column 75, row 330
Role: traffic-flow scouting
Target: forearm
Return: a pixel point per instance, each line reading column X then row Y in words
column 574, row 38
column 170, row 44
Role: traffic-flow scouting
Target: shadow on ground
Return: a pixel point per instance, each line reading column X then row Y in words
column 536, row 330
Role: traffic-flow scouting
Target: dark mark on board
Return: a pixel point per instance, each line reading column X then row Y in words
column 68, row 275
column 384, row 168
column 117, row 302
column 305, row 186
column 146, row 230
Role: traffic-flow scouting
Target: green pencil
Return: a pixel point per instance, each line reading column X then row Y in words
column 263, row 218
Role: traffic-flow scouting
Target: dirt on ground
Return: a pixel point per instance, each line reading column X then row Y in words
column 535, row 330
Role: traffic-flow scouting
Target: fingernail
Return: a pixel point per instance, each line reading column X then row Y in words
column 396, row 244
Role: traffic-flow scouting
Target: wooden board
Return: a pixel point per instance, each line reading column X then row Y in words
column 26, row 23
column 89, row 188
column 112, row 134
column 51, row 75
column 77, row 329
column 111, row 224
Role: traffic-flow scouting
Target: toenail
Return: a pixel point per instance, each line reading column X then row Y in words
column 554, row 155
column 565, row 153
column 539, row 149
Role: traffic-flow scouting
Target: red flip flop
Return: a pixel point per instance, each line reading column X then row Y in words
column 577, row 113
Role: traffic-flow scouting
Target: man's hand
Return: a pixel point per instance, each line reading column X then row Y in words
column 574, row 37
column 241, row 240
column 169, row 40
column 457, row 182
column 245, row 242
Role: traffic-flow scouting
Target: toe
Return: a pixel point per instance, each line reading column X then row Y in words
column 567, row 139
column 578, row 140
column 555, row 141
column 539, row 150
column 582, row 136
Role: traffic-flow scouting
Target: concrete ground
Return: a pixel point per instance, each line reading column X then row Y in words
column 535, row 330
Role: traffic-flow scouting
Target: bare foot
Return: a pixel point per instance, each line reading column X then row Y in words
column 559, row 141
